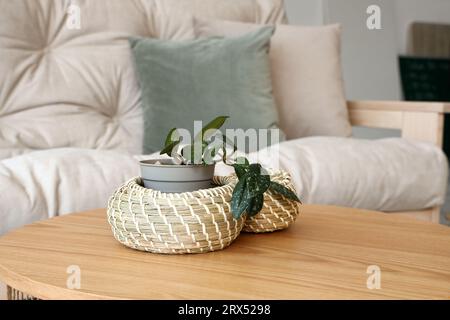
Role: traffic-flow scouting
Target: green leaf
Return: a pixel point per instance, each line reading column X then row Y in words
column 280, row 189
column 209, row 154
column 242, row 161
column 257, row 182
column 210, row 150
column 170, row 143
column 252, row 184
column 169, row 137
column 217, row 123
column 169, row 148
column 241, row 166
column 240, row 199
column 263, row 182
column 224, row 155
column 204, row 146
column 187, row 152
column 256, row 205
column 255, row 168
column 227, row 142
column 240, row 170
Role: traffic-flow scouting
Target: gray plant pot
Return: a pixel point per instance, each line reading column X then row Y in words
column 165, row 176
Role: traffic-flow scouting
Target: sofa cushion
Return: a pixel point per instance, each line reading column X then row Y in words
column 68, row 87
column 43, row 184
column 306, row 76
column 388, row 175
column 199, row 80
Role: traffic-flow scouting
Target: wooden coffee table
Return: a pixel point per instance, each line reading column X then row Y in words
column 326, row 254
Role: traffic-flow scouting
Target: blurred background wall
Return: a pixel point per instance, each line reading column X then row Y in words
column 370, row 57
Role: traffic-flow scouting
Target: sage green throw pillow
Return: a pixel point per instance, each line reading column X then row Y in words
column 185, row 81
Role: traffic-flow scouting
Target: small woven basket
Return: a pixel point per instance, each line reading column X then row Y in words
column 192, row 222
column 173, row 223
column 278, row 212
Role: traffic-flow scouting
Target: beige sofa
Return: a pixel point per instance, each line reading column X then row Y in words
column 71, row 123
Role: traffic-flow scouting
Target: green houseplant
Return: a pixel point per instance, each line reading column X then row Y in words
column 254, row 181
column 190, row 165
column 197, row 160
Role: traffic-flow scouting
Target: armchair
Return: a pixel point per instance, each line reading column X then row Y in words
column 421, row 121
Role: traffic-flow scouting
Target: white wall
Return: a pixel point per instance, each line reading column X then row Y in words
column 370, row 56
column 306, row 12
column 408, row 11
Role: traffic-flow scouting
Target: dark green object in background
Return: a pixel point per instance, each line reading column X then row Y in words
column 427, row 79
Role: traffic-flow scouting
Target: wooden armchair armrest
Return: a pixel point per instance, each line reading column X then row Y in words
column 403, row 106
column 422, row 121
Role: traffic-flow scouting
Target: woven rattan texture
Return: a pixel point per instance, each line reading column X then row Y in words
column 191, row 222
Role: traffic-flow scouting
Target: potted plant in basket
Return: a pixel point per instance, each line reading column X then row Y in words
column 191, row 167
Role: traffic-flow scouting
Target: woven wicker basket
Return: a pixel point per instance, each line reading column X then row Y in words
column 192, row 222
column 173, row 223
column 278, row 212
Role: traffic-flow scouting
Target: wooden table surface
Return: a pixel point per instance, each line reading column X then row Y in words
column 324, row 255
